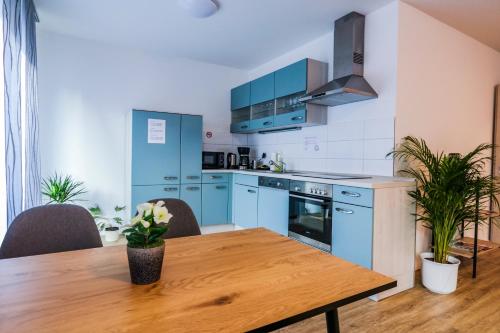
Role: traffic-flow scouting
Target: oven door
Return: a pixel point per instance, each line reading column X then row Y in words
column 310, row 220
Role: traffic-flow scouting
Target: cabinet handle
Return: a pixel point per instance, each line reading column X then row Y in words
column 170, row 178
column 244, row 126
column 351, row 194
column 344, row 211
column 221, row 187
column 193, row 177
column 193, row 188
column 170, row 189
column 266, row 123
column 215, row 177
column 297, row 118
column 251, row 191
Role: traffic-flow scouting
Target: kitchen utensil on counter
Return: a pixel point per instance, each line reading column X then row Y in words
column 231, row 161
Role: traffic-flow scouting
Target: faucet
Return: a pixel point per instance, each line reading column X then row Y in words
column 280, row 166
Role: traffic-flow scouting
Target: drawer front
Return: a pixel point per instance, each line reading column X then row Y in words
column 210, row 178
column 295, row 117
column 215, row 204
column 246, row 180
column 352, row 233
column 262, row 123
column 353, row 195
column 241, row 127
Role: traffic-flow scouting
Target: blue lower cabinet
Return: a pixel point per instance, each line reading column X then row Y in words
column 352, row 233
column 290, row 118
column 245, row 201
column 214, row 203
column 191, row 194
column 144, row 193
column 240, row 127
column 273, row 210
column 262, row 123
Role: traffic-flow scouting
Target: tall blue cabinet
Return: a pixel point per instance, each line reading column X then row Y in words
column 171, row 169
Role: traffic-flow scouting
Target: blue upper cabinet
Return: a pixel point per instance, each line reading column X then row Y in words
column 155, row 148
column 191, row 147
column 291, row 79
column 262, row 89
column 240, row 96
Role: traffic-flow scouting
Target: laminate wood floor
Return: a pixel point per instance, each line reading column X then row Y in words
column 473, row 307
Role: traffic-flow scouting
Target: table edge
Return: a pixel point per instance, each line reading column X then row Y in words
column 322, row 309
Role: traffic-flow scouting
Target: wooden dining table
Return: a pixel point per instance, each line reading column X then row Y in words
column 252, row 280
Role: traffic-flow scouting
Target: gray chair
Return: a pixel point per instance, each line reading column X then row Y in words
column 49, row 229
column 183, row 222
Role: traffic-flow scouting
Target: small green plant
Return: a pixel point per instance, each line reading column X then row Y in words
column 147, row 227
column 61, row 189
column 447, row 188
column 104, row 222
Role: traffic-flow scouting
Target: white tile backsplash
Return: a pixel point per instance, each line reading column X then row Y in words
column 377, row 149
column 346, row 149
column 357, row 146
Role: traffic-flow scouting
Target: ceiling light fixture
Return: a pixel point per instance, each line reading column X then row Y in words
column 198, row 8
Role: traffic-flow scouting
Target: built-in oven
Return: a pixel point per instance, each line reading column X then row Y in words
column 310, row 214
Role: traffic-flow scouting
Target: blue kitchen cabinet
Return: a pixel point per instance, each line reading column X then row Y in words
column 245, row 203
column 262, row 89
column 191, row 148
column 144, row 193
column 215, row 201
column 291, row 118
column 191, row 194
column 155, row 163
column 240, row 96
column 273, row 210
column 291, row 79
column 352, row 233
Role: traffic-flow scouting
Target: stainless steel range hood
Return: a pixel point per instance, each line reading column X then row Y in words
column 348, row 85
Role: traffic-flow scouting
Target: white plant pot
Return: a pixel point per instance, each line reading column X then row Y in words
column 111, row 236
column 439, row 278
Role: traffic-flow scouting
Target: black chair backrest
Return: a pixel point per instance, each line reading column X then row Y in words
column 49, row 229
column 183, row 222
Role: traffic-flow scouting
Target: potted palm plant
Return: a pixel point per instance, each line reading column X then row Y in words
column 145, row 246
column 61, row 189
column 448, row 186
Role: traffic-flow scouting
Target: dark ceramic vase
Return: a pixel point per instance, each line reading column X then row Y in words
column 145, row 264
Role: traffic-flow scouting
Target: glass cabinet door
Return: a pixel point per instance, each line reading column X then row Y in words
column 240, row 115
column 262, row 110
column 289, row 103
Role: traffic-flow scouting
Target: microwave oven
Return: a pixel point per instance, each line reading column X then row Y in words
column 213, row 160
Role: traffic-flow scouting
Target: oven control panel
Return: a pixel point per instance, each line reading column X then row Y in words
column 322, row 190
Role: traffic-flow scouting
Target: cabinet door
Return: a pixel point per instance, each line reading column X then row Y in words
column 245, row 206
column 191, row 194
column 215, row 204
column 262, row 89
column 291, row 79
column 240, row 96
column 273, row 210
column 155, row 163
column 295, row 117
column 241, row 127
column 352, row 233
column 145, row 193
column 191, row 147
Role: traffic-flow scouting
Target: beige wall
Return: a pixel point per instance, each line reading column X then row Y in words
column 445, row 87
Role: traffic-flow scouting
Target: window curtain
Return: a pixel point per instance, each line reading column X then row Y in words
column 22, row 163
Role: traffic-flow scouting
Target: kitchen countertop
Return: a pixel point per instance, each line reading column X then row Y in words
column 372, row 182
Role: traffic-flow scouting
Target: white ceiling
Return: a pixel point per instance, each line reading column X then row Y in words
column 479, row 19
column 242, row 34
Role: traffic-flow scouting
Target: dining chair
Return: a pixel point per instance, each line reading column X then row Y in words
column 183, row 222
column 49, row 229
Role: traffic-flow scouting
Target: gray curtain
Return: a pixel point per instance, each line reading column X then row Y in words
column 21, row 107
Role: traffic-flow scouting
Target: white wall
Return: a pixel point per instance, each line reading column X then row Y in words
column 358, row 135
column 445, row 88
column 86, row 91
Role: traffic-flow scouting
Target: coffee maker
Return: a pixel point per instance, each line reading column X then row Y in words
column 244, row 153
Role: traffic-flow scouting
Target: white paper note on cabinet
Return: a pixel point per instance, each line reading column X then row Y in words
column 156, row 130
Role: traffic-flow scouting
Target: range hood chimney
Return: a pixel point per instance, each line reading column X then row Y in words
column 348, row 85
